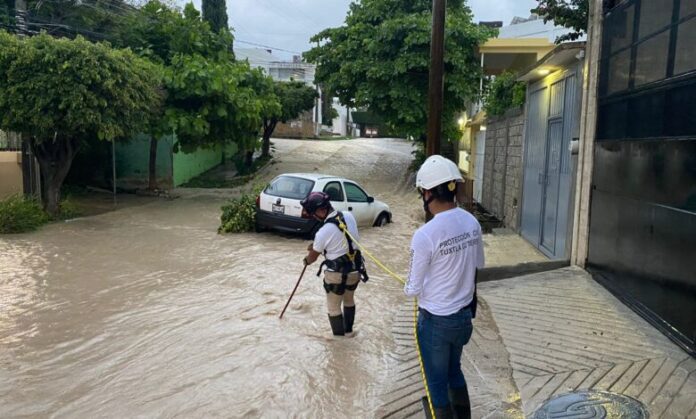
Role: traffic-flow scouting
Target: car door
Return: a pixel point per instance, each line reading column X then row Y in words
column 335, row 191
column 358, row 205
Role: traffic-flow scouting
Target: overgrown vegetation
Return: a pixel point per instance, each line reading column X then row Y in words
column 63, row 93
column 20, row 215
column 379, row 61
column 68, row 210
column 504, row 93
column 166, row 70
column 239, row 216
column 418, row 155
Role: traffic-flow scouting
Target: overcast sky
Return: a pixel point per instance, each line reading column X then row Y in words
column 288, row 24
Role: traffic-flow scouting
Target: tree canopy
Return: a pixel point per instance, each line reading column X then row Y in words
column 159, row 32
column 215, row 13
column 72, row 88
column 379, row 61
column 572, row 14
column 294, row 98
column 62, row 92
column 211, row 102
column 96, row 20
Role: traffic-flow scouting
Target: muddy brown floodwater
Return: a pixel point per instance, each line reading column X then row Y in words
column 147, row 312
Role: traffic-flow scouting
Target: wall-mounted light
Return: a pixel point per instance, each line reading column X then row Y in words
column 544, row 72
column 460, row 121
column 483, row 128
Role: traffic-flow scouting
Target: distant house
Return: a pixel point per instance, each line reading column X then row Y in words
column 518, row 46
column 308, row 124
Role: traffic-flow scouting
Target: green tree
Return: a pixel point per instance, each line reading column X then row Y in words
column 201, row 78
column 572, row 14
column 264, row 86
column 159, row 32
column 295, row 98
column 504, row 93
column 64, row 92
column 215, row 13
column 379, row 61
column 96, row 20
column 7, row 13
column 211, row 102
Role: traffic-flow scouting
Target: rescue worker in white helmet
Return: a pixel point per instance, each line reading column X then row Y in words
column 344, row 264
column 445, row 255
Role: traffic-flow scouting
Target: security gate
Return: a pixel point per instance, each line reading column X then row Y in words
column 642, row 238
column 552, row 119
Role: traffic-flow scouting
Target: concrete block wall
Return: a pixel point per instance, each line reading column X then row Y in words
column 502, row 170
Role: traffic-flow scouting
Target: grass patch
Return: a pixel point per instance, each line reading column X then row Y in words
column 68, row 209
column 20, row 215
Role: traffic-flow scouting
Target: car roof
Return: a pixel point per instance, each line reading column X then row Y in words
column 311, row 176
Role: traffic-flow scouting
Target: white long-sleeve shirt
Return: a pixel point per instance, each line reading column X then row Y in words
column 330, row 238
column 445, row 254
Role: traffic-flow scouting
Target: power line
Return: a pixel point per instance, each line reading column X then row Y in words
column 44, row 23
column 267, row 46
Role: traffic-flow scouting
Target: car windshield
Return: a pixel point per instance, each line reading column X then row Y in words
column 290, row 187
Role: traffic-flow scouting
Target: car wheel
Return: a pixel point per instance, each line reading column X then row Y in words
column 258, row 228
column 382, row 220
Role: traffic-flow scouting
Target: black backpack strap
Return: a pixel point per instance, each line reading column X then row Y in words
column 352, row 261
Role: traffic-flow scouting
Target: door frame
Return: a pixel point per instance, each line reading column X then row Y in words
column 546, row 83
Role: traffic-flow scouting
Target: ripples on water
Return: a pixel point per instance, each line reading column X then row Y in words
column 146, row 311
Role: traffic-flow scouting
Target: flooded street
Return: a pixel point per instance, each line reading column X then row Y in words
column 148, row 312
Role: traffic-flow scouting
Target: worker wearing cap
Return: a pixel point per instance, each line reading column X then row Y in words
column 344, row 263
column 445, row 254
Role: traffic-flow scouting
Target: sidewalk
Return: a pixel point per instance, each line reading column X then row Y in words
column 541, row 335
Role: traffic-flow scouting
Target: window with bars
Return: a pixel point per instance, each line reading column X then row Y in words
column 647, row 85
column 647, row 41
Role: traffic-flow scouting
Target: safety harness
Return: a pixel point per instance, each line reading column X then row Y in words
column 350, row 262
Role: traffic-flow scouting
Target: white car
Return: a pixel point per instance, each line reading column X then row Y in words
column 278, row 206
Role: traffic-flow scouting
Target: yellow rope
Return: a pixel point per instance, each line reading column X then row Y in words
column 420, row 358
column 415, row 314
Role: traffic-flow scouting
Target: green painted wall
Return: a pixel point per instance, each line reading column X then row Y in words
column 173, row 169
column 188, row 166
column 132, row 161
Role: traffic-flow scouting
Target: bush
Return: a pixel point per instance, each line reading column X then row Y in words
column 418, row 155
column 239, row 216
column 19, row 215
column 504, row 93
column 68, row 210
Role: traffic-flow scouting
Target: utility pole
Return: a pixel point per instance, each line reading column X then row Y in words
column 436, row 87
column 21, row 28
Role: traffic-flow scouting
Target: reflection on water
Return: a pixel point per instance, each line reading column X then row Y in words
column 146, row 311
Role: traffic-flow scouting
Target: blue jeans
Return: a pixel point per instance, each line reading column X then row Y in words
column 441, row 339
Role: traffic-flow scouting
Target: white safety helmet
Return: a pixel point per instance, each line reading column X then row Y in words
column 435, row 171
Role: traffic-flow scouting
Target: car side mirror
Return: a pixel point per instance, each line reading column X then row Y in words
column 370, row 199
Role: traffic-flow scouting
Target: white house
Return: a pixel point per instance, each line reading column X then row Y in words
column 284, row 70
